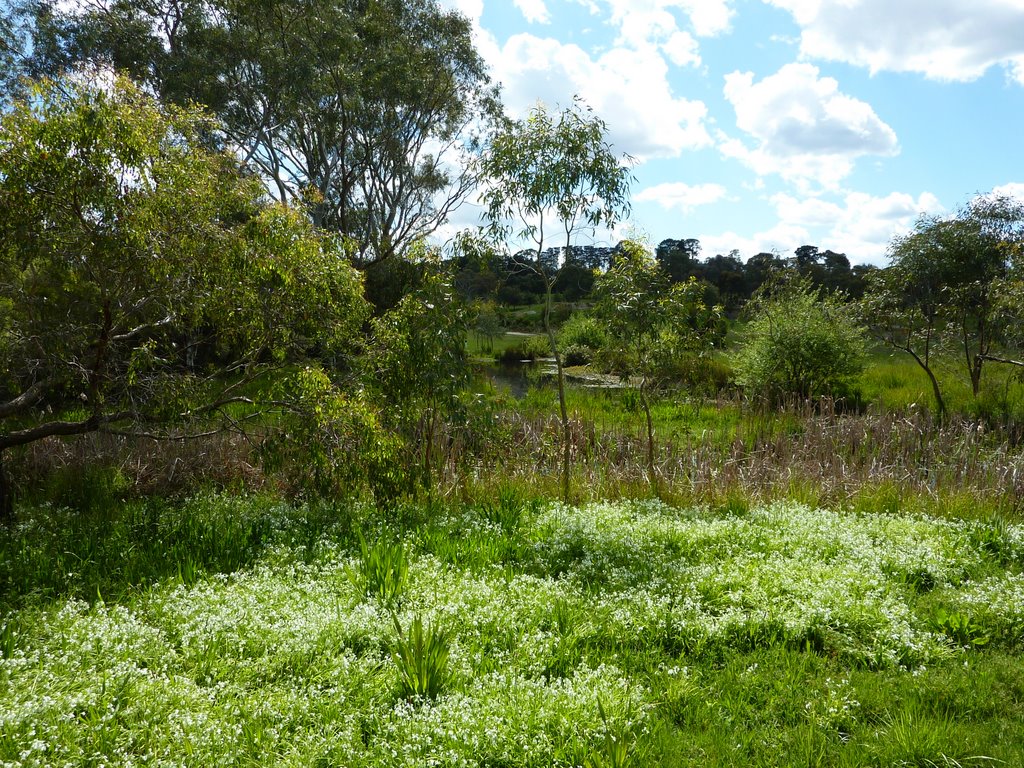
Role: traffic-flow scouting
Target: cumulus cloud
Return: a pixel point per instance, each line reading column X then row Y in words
column 941, row 39
column 680, row 196
column 628, row 88
column 857, row 224
column 471, row 9
column 627, row 84
column 1013, row 189
column 534, row 11
column 656, row 24
column 706, row 17
column 782, row 238
column 861, row 224
column 803, row 127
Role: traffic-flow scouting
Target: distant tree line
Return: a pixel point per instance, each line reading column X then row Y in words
column 727, row 280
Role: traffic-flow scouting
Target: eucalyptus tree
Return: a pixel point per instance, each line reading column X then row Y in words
column 945, row 287
column 11, row 46
column 20, row 21
column 547, row 179
column 364, row 112
column 145, row 283
column 654, row 325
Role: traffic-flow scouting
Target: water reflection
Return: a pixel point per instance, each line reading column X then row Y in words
column 519, row 375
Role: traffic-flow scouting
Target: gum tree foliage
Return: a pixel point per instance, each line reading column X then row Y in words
column 416, row 367
column 799, row 342
column 15, row 26
column 550, row 177
column 26, row 36
column 1009, row 296
column 144, row 283
column 945, row 288
column 653, row 325
column 363, row 112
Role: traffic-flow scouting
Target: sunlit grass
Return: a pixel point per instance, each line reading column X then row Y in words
column 627, row 633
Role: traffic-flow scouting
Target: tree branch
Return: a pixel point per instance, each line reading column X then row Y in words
column 60, row 429
column 996, row 359
column 26, row 399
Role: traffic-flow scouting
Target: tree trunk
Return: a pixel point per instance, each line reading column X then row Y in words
column 561, row 390
column 940, row 404
column 652, row 478
column 976, row 374
column 6, row 496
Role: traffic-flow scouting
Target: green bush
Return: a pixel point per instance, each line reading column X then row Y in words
column 584, row 330
column 530, row 348
column 800, row 343
column 581, row 338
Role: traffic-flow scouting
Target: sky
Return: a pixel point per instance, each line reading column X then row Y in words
column 764, row 125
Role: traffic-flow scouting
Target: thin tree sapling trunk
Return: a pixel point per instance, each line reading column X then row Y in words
column 563, row 411
column 6, row 495
column 652, row 477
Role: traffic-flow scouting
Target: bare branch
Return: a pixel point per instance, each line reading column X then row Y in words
column 25, row 400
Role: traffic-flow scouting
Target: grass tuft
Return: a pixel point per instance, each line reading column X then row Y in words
column 421, row 656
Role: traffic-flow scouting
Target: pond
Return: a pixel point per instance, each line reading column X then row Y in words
column 519, row 375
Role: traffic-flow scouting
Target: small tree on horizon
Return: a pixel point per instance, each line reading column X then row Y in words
column 946, row 288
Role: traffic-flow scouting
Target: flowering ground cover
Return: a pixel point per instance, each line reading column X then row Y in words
column 531, row 634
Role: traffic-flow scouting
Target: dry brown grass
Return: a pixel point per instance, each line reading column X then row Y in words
column 139, row 466
column 826, row 458
column 831, row 458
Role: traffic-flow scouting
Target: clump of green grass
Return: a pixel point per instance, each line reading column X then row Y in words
column 381, row 571
column 421, row 656
column 506, row 511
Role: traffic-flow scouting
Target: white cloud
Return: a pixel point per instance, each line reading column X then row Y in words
column 942, row 39
column 682, row 197
column 803, row 127
column 861, row 225
column 628, row 88
column 644, row 24
column 707, row 17
column 781, row 239
column 626, row 85
column 1013, row 189
column 534, row 11
column 858, row 224
column 681, row 49
column 471, row 9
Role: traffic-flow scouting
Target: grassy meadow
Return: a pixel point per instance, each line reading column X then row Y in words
column 513, row 633
column 813, row 585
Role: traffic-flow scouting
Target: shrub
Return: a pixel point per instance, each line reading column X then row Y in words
column 530, row 348
column 583, row 330
column 800, row 343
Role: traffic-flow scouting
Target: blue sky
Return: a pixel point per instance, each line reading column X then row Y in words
column 764, row 125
